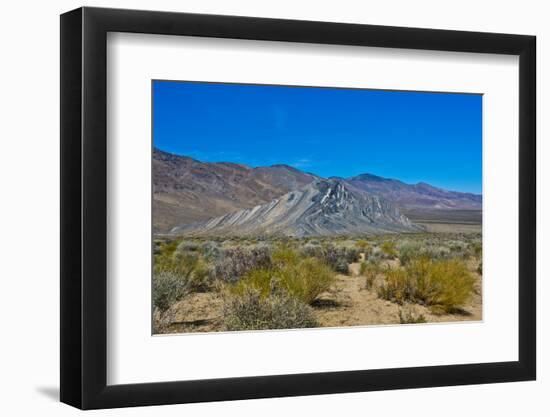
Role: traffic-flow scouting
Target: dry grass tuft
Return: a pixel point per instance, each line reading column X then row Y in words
column 444, row 285
column 304, row 279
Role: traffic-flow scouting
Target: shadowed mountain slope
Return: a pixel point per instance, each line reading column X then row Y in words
column 186, row 190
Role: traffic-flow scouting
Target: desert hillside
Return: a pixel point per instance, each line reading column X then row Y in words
column 187, row 191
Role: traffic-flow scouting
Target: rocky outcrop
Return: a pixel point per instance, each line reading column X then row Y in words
column 322, row 208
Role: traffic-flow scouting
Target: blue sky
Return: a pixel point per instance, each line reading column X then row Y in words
column 411, row 136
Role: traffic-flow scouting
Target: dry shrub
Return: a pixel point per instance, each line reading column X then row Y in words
column 409, row 251
column 303, row 279
column 338, row 257
column 250, row 310
column 168, row 288
column 236, row 262
column 364, row 247
column 311, row 250
column 388, row 249
column 306, row 280
column 261, row 281
column 370, row 271
column 476, row 249
column 438, row 252
column 409, row 317
column 444, row 285
column 189, row 267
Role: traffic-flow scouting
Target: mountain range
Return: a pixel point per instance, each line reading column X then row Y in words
column 203, row 198
column 324, row 207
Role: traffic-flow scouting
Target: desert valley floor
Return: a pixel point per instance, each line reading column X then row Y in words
column 350, row 300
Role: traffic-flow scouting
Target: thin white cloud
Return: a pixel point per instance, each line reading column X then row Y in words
column 302, row 163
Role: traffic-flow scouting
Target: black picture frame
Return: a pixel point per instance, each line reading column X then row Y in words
column 84, row 207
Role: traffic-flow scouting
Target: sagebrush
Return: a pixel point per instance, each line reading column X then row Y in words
column 250, row 310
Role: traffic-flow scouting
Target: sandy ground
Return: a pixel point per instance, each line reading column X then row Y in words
column 348, row 303
column 351, row 304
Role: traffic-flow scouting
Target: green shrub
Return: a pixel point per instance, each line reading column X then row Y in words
column 210, row 250
column 364, row 247
column 285, row 256
column 477, row 249
column 374, row 255
column 443, row 285
column 262, row 281
column 480, row 268
column 409, row 251
column 252, row 311
column 388, row 249
column 341, row 266
column 168, row 288
column 190, row 267
column 438, row 252
column 164, row 252
column 304, row 279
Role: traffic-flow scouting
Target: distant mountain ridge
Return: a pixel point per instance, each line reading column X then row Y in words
column 321, row 208
column 416, row 196
column 187, row 191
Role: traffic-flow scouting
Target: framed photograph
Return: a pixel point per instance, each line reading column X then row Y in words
column 257, row 208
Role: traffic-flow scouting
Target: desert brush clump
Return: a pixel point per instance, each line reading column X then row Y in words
column 185, row 262
column 406, row 316
column 370, row 271
column 190, row 267
column 250, row 310
column 408, row 251
column 443, row 285
column 338, row 257
column 476, row 249
column 364, row 247
column 168, row 287
column 311, row 250
column 188, row 246
column 234, row 263
column 388, row 249
column 305, row 280
column 438, row 252
column 457, row 246
column 375, row 254
column 302, row 278
column 210, row 250
column 164, row 251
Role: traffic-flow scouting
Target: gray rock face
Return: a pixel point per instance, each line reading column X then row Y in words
column 321, row 208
